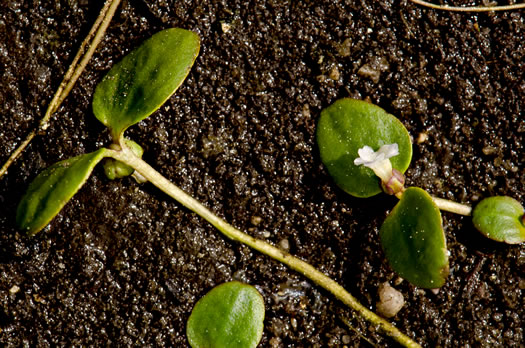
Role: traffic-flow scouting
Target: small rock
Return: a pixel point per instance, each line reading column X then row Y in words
column 345, row 49
column 489, row 150
column 334, row 74
column 14, row 289
column 256, row 220
column 346, row 339
column 390, row 301
column 225, row 27
column 374, row 68
column 306, row 110
column 422, row 137
column 369, row 72
column 284, row 244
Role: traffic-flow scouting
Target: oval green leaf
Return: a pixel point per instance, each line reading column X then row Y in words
column 52, row 189
column 348, row 125
column 414, row 242
column 231, row 315
column 139, row 84
column 500, row 218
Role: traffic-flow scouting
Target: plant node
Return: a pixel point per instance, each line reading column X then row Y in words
column 395, row 185
column 115, row 169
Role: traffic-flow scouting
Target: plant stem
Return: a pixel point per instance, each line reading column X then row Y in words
column 469, row 8
column 75, row 69
column 446, row 205
column 144, row 169
column 453, row 207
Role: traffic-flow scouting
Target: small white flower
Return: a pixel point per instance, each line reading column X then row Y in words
column 367, row 156
column 378, row 161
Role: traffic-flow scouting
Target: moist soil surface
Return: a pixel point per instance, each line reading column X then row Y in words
column 123, row 264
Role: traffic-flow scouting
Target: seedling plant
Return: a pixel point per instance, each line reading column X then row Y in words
column 367, row 151
column 131, row 91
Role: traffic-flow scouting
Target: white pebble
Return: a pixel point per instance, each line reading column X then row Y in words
column 390, row 301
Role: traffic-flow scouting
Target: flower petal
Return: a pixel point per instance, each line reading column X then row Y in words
column 389, row 150
column 366, row 155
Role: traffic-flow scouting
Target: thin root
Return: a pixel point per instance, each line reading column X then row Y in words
column 75, row 69
column 470, row 8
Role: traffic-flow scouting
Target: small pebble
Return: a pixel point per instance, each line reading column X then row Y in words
column 390, row 301
column 345, row 49
column 306, row 110
column 346, row 339
column 422, row 137
column 226, row 27
column 334, row 74
column 284, row 244
column 369, row 72
column 435, row 291
column 256, row 220
column 489, row 150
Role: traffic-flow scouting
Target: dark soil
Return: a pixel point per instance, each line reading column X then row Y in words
column 123, row 264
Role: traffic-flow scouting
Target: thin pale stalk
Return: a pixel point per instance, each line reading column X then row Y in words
column 470, row 8
column 452, row 207
column 75, row 69
column 127, row 157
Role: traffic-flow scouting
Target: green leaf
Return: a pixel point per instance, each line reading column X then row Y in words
column 348, row 125
column 500, row 218
column 414, row 242
column 231, row 315
column 139, row 84
column 52, row 189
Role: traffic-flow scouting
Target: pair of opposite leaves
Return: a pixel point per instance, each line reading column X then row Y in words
column 412, row 235
column 131, row 91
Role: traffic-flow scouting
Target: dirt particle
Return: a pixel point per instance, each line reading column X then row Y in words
column 369, row 72
column 256, row 220
column 334, row 74
column 284, row 244
column 422, row 137
column 14, row 289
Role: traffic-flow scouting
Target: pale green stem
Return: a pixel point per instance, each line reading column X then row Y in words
column 470, row 8
column 446, row 205
column 453, row 207
column 75, row 69
column 144, row 169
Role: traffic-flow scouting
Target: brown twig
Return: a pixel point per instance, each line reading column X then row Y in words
column 86, row 50
column 470, row 8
